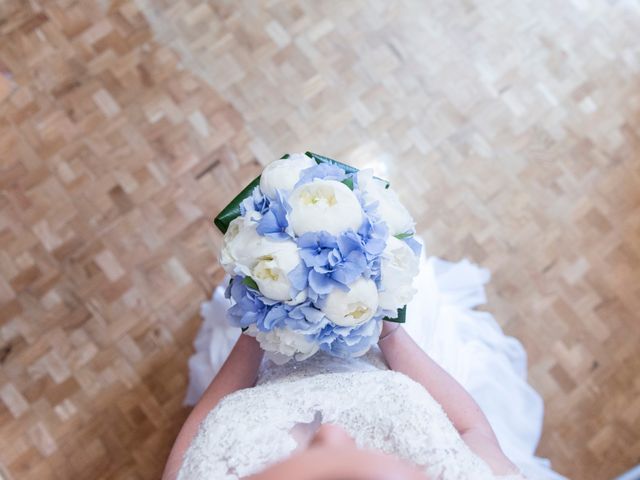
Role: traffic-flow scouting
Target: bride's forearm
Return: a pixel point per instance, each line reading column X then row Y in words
column 404, row 355
column 239, row 371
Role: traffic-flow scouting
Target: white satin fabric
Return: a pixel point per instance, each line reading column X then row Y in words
column 468, row 344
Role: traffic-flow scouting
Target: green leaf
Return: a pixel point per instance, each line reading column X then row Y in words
column 402, row 236
column 348, row 182
column 401, row 318
column 286, row 155
column 232, row 211
column 250, row 282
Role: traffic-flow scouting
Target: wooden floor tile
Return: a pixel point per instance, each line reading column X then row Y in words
column 510, row 129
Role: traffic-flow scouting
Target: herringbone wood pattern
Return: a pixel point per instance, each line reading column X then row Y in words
column 511, row 129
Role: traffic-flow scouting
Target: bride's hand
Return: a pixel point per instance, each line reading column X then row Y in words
column 331, row 463
column 332, row 455
column 388, row 328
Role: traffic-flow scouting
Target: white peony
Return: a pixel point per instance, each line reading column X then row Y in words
column 283, row 174
column 276, row 259
column 324, row 205
column 354, row 307
column 390, row 209
column 282, row 344
column 267, row 261
column 398, row 268
column 240, row 243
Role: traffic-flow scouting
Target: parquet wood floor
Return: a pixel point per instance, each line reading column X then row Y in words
column 511, row 129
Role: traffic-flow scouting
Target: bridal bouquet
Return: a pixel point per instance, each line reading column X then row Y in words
column 319, row 255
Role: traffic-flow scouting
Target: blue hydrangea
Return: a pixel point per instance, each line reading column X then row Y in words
column 256, row 202
column 273, row 222
column 304, row 318
column 249, row 306
column 349, row 342
column 328, row 262
column 322, row 171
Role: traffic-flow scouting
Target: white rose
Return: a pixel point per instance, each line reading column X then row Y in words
column 324, row 205
column 398, row 267
column 270, row 271
column 282, row 344
column 390, row 209
column 241, row 240
column 283, row 174
column 354, row 307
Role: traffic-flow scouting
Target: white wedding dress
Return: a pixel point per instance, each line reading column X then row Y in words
column 380, row 409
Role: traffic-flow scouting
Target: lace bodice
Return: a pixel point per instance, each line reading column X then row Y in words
column 381, row 410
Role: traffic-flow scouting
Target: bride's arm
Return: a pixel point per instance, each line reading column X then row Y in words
column 404, row 355
column 238, row 372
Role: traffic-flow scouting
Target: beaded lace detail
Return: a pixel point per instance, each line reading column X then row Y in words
column 381, row 410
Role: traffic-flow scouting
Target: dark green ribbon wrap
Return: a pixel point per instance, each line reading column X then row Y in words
column 232, row 210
